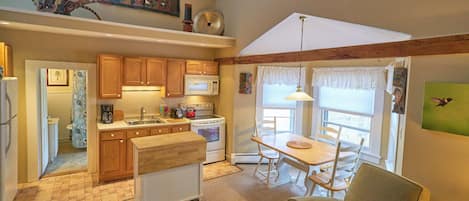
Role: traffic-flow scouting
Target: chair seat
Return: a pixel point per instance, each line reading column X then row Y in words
column 269, row 154
column 323, row 179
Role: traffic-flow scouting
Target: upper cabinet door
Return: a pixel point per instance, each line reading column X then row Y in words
column 156, row 72
column 134, row 71
column 210, row 68
column 110, row 76
column 194, row 67
column 175, row 79
column 6, row 59
column 201, row 67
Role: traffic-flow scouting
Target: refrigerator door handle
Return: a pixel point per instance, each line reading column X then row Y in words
column 10, row 118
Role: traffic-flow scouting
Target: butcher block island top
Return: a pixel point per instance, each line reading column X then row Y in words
column 161, row 152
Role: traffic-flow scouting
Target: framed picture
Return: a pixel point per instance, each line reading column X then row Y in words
column 245, row 83
column 446, row 107
column 399, row 90
column 57, row 77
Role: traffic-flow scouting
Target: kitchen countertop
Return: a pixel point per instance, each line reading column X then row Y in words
column 123, row 125
column 160, row 152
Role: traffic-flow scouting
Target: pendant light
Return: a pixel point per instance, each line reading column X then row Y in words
column 300, row 95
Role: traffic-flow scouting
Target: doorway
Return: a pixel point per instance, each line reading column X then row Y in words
column 64, row 121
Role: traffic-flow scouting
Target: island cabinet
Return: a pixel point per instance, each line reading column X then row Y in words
column 197, row 67
column 140, row 71
column 116, row 149
column 110, row 69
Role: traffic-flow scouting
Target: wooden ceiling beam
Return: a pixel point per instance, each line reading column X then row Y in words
column 453, row 44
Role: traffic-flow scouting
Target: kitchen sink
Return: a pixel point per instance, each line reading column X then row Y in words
column 149, row 121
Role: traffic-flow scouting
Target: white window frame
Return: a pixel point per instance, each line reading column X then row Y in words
column 373, row 153
column 297, row 125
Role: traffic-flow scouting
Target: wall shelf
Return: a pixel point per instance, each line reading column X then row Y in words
column 11, row 18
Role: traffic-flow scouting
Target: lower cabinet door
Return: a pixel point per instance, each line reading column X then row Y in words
column 112, row 159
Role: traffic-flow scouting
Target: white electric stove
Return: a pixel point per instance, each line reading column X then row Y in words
column 211, row 127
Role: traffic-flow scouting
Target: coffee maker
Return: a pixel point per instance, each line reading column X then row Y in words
column 107, row 110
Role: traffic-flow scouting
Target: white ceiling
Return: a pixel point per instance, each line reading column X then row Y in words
column 319, row 33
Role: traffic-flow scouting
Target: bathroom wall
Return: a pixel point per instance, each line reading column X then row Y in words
column 59, row 104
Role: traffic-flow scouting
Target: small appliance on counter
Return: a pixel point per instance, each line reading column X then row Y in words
column 190, row 112
column 177, row 113
column 107, row 110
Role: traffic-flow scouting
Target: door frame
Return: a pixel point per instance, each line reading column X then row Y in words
column 33, row 116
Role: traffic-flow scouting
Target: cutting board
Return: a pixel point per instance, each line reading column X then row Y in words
column 118, row 115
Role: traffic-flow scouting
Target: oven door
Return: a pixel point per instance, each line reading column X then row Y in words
column 214, row 133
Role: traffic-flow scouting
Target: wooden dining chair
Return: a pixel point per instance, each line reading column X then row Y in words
column 266, row 127
column 345, row 164
column 329, row 135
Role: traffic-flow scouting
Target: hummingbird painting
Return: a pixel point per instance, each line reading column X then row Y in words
column 441, row 102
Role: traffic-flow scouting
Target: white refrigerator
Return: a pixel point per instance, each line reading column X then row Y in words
column 8, row 138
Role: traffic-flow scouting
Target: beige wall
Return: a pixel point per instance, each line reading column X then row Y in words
column 125, row 15
column 240, row 109
column 52, row 47
column 59, row 105
column 246, row 19
column 132, row 100
column 436, row 159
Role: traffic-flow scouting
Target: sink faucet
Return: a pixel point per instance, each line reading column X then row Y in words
column 142, row 113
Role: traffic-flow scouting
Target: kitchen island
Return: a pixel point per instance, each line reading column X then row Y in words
column 168, row 167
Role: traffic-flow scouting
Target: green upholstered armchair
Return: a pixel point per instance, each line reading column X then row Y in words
column 375, row 184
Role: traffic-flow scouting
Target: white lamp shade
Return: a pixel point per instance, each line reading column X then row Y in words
column 299, row 95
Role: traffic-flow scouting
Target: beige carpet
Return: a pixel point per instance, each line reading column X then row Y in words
column 219, row 169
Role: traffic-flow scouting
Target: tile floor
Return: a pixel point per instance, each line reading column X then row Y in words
column 240, row 186
column 68, row 160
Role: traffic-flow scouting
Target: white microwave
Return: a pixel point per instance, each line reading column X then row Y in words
column 202, row 85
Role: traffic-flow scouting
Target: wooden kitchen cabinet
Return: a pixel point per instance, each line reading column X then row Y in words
column 197, row 67
column 160, row 130
column 129, row 167
column 144, row 71
column 110, row 69
column 175, row 78
column 155, row 72
column 111, row 155
column 180, row 128
column 116, row 149
column 134, row 71
column 6, row 59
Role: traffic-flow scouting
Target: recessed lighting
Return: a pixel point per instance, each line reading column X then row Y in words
column 109, row 35
column 4, row 23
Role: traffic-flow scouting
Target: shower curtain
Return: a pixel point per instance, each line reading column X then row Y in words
column 79, row 109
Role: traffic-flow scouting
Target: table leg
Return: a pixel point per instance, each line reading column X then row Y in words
column 308, row 183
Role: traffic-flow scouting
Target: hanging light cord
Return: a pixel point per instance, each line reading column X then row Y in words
column 302, row 18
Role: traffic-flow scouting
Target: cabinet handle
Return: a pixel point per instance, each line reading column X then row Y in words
column 180, row 129
column 148, row 82
column 112, row 135
column 159, row 131
column 141, row 82
column 137, row 133
column 121, row 141
column 168, row 94
column 118, row 95
column 205, row 72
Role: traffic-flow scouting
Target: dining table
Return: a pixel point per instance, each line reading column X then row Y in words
column 309, row 159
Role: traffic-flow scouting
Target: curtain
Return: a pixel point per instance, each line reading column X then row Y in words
column 79, row 130
column 362, row 78
column 351, row 77
column 272, row 75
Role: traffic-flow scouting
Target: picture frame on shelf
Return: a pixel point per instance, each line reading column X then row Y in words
column 57, row 77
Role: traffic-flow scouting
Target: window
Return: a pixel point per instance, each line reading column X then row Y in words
column 357, row 111
column 275, row 104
